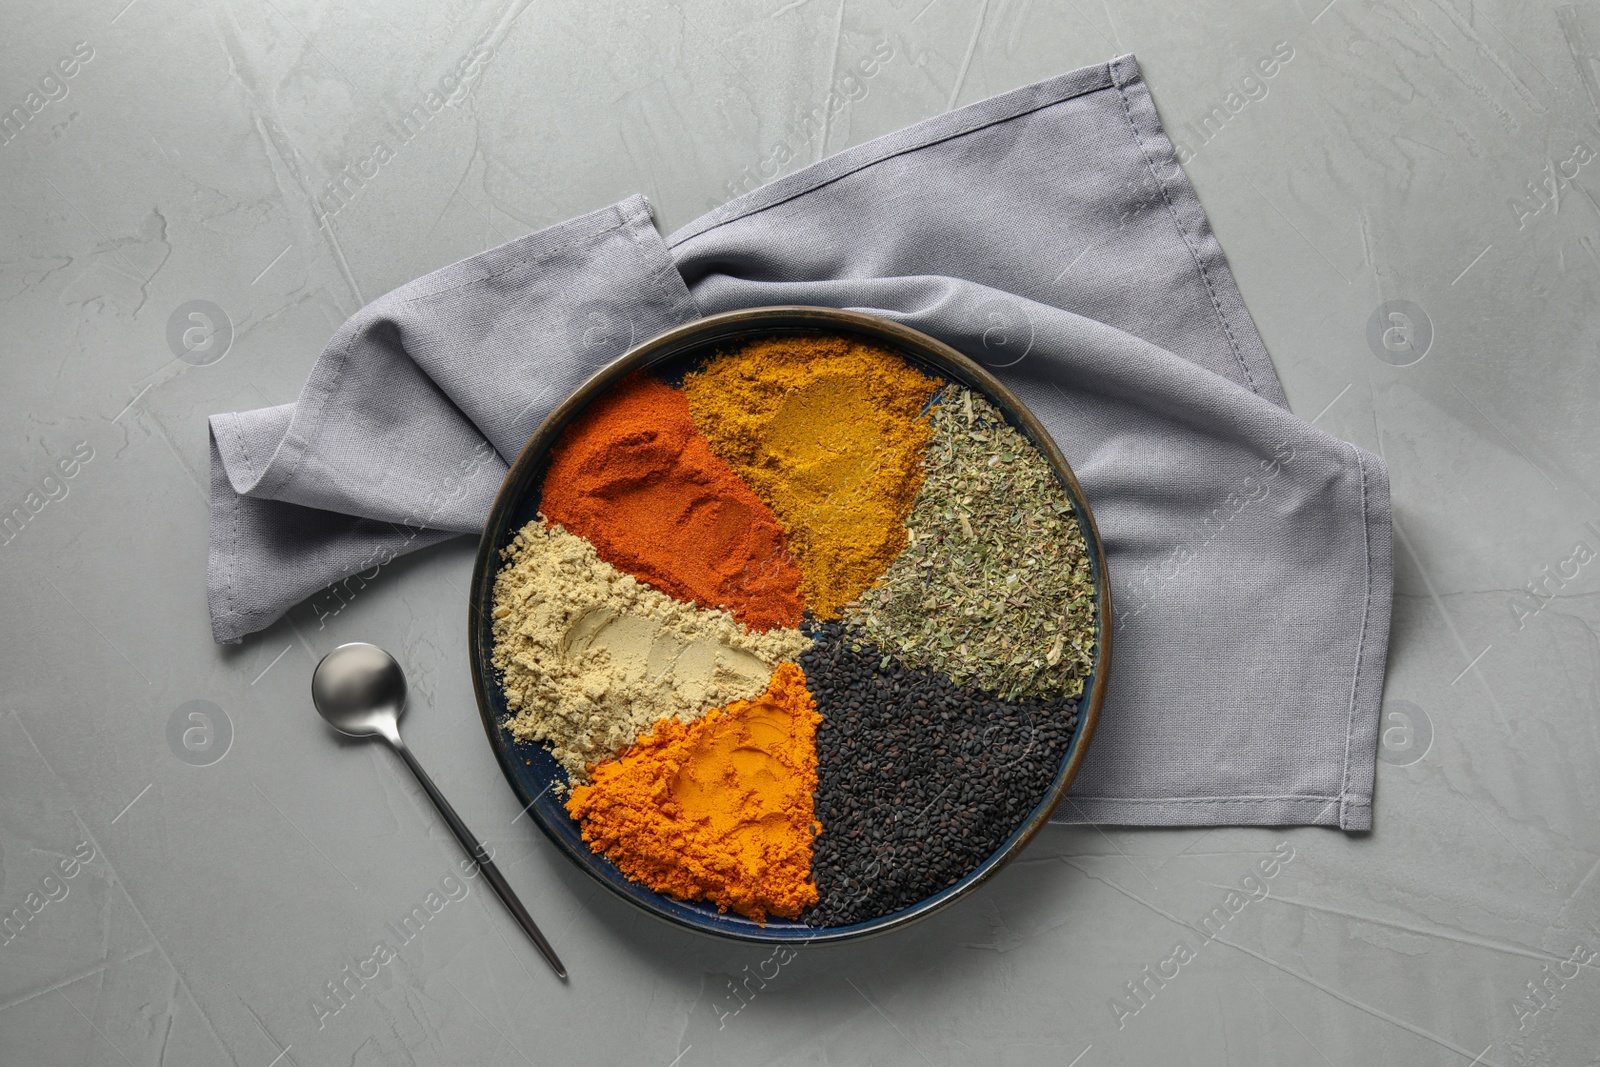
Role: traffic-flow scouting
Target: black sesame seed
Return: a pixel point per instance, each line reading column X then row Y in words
column 952, row 772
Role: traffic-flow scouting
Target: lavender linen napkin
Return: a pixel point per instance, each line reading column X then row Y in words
column 1048, row 233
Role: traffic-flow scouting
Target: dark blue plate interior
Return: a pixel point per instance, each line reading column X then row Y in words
column 530, row 768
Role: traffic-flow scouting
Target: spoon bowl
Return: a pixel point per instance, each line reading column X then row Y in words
column 360, row 690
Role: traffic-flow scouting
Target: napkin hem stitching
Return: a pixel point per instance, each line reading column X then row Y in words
column 1231, row 798
column 1183, row 233
column 231, row 583
column 1179, row 812
column 532, row 259
column 1361, row 641
column 675, row 240
column 229, row 559
column 682, row 304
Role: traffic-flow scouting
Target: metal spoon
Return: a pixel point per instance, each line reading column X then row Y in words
column 361, row 691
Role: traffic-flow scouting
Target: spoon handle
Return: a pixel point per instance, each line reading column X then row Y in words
column 480, row 856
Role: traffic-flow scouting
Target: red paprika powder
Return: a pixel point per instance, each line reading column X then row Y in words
column 633, row 476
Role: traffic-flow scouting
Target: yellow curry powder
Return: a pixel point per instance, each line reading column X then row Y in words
column 829, row 432
column 719, row 809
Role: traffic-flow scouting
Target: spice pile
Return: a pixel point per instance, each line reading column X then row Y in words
column 828, row 431
column 807, row 633
column 920, row 779
column 994, row 585
column 719, row 809
column 634, row 477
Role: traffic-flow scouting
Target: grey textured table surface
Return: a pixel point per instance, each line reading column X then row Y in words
column 228, row 860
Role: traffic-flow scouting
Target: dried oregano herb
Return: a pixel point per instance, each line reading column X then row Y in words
column 993, row 587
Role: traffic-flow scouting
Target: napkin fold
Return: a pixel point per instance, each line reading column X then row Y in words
column 1048, row 233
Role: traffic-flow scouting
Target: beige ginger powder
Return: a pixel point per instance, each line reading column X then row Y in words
column 590, row 658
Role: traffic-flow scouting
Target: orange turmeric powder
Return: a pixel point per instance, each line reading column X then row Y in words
column 719, row 809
